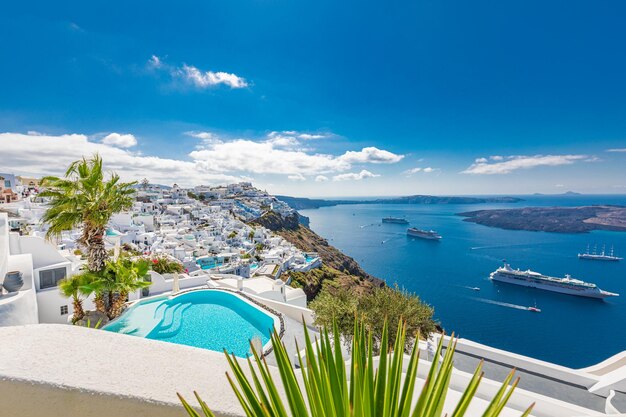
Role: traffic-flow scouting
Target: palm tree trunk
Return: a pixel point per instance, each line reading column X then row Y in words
column 118, row 305
column 99, row 302
column 79, row 313
column 93, row 240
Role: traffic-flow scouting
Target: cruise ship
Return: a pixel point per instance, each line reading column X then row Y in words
column 567, row 285
column 424, row 234
column 602, row 256
column 396, row 220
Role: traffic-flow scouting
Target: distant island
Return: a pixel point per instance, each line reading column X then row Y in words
column 567, row 193
column 300, row 203
column 553, row 219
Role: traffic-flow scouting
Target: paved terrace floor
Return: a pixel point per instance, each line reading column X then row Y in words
column 537, row 383
column 293, row 331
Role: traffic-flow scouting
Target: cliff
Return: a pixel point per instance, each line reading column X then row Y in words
column 339, row 268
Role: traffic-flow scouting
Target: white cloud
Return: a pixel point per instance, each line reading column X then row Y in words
column 265, row 158
column 371, row 155
column 512, row 163
column 416, row 170
column 207, row 79
column 120, row 140
column 282, row 139
column 207, row 138
column 201, row 135
column 75, row 27
column 296, row 177
column 193, row 76
column 293, row 138
column 50, row 155
column 616, row 150
column 355, row 176
column 214, row 160
column 309, row 136
column 281, row 153
column 155, row 62
column 413, row 171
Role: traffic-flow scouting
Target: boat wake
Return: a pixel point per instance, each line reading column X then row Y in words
column 500, row 303
column 367, row 225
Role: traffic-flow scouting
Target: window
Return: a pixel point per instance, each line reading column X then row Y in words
column 50, row 278
column 63, row 310
column 7, row 184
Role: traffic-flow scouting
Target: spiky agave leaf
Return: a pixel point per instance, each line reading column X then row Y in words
column 384, row 392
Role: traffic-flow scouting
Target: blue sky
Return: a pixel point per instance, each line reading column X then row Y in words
column 322, row 98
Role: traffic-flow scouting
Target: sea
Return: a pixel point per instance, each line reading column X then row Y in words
column 572, row 331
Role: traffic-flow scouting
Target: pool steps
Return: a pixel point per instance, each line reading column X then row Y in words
column 171, row 320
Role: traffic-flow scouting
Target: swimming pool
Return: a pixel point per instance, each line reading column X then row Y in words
column 208, row 319
column 209, row 262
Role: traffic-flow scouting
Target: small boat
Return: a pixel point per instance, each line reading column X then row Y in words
column 475, row 289
column 534, row 309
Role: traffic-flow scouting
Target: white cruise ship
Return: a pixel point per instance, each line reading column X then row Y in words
column 424, row 234
column 396, row 220
column 567, row 285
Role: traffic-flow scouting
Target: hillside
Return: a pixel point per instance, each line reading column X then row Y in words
column 338, row 267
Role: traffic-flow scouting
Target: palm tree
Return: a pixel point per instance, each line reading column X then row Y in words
column 129, row 276
column 112, row 284
column 84, row 198
column 376, row 387
column 76, row 287
column 251, row 235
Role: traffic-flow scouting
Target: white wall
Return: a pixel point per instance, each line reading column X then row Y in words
column 523, row 362
column 164, row 283
column 20, row 308
column 44, row 253
column 294, row 312
column 4, row 245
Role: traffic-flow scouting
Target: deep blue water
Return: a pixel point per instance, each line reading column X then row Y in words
column 571, row 331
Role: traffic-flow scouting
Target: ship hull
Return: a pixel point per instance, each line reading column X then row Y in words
column 530, row 283
column 395, row 221
column 599, row 258
column 421, row 236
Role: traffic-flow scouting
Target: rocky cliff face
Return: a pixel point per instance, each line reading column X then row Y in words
column 342, row 268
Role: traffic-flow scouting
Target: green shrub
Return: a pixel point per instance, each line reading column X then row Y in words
column 165, row 265
column 374, row 308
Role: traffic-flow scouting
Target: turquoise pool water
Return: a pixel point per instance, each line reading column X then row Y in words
column 208, row 319
column 209, row 263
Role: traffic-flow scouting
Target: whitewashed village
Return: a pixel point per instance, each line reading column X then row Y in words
column 207, row 233
column 200, row 239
